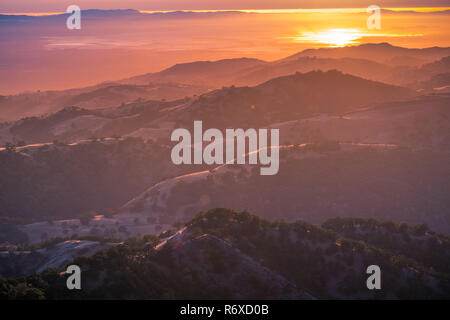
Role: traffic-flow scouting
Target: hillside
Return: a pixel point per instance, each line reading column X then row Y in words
column 61, row 181
column 290, row 97
column 422, row 122
column 315, row 182
column 105, row 95
column 417, row 242
column 359, row 67
column 285, row 98
column 177, row 82
column 92, row 162
column 378, row 62
column 22, row 263
column 222, row 254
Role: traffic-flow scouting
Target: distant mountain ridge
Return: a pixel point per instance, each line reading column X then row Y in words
column 377, row 62
column 213, row 73
column 379, row 52
column 372, row 61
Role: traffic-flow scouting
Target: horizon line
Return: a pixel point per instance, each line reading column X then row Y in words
column 261, row 11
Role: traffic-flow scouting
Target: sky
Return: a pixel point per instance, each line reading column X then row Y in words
column 60, row 5
column 42, row 54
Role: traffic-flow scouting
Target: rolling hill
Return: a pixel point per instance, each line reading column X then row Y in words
column 378, row 62
column 315, row 182
column 290, row 97
column 221, row 254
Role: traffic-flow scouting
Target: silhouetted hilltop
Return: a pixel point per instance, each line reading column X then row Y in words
column 223, row 254
column 286, row 98
column 380, row 52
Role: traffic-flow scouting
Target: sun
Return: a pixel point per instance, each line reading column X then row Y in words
column 332, row 37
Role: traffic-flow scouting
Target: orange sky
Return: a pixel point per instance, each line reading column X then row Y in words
column 39, row 55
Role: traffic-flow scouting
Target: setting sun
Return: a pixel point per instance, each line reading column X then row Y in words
column 332, row 37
